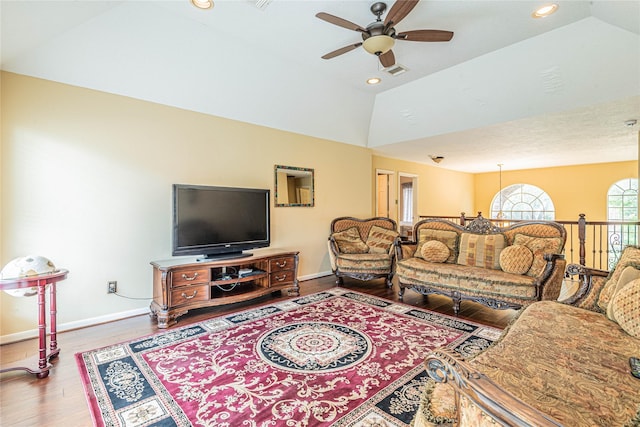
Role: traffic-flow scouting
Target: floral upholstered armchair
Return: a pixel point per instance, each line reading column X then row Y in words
column 363, row 249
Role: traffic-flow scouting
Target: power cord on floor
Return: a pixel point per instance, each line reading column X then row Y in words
column 124, row 296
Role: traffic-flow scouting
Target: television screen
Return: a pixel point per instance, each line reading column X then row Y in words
column 219, row 221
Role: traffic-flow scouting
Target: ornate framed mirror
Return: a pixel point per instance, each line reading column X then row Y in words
column 293, row 186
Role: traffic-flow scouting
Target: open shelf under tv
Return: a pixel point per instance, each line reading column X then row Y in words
column 183, row 284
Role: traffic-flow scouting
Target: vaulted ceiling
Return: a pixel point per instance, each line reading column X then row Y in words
column 507, row 88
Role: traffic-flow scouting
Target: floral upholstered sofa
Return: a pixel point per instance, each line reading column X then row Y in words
column 555, row 365
column 508, row 267
column 363, row 249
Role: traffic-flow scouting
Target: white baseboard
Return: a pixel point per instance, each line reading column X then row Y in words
column 33, row 333
column 77, row 324
column 314, row 276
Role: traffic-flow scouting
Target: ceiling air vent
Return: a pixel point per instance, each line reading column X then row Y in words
column 260, row 4
column 396, row 69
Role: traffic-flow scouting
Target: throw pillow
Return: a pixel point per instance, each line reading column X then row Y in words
column 380, row 239
column 630, row 256
column 481, row 250
column 516, row 259
column 628, row 274
column 435, row 251
column 539, row 246
column 626, row 308
column 449, row 238
column 349, row 241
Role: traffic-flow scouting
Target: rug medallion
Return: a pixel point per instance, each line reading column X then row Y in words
column 335, row 358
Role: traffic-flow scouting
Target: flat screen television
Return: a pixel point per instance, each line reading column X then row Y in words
column 219, row 222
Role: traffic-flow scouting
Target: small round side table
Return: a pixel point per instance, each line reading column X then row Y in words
column 41, row 282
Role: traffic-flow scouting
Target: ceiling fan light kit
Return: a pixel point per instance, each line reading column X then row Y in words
column 378, row 45
column 379, row 37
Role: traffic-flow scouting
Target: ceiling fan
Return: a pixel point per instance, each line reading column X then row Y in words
column 379, row 37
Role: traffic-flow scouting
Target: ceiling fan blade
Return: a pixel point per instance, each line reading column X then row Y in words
column 342, row 50
column 426, row 36
column 340, row 22
column 399, row 11
column 387, row 59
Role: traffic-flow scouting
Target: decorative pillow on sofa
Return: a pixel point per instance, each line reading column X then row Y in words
column 516, row 259
column 481, row 250
column 380, row 239
column 349, row 241
column 628, row 274
column 435, row 251
column 449, row 238
column 539, row 246
column 630, row 256
column 626, row 308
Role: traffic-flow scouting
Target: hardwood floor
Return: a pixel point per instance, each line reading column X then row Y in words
column 59, row 400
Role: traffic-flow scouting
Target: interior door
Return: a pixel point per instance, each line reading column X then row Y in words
column 384, row 196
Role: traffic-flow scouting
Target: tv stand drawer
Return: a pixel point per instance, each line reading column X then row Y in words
column 186, row 277
column 281, row 277
column 190, row 294
column 279, row 264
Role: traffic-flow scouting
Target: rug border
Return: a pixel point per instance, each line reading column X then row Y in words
column 92, row 398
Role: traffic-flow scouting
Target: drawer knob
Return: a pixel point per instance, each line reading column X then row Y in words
column 280, row 278
column 185, row 296
column 189, row 279
column 281, row 265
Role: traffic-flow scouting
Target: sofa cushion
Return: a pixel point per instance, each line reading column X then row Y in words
column 364, row 263
column 628, row 274
column 630, row 256
column 590, row 301
column 570, row 363
column 516, row 259
column 468, row 280
column 380, row 239
column 625, row 307
column 539, row 246
column 449, row 238
column 435, row 251
column 481, row 250
column 349, row 241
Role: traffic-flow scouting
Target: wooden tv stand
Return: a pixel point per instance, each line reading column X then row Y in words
column 182, row 284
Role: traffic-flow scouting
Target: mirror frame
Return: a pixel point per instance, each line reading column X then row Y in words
column 281, row 168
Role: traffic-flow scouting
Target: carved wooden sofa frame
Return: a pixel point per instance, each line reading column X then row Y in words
column 547, row 284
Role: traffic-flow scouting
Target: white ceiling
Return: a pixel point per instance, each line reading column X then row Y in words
column 507, row 88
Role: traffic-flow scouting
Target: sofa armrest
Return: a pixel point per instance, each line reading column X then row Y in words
column 587, row 279
column 446, row 366
column 404, row 249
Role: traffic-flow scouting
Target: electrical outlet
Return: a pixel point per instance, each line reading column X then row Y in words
column 112, row 287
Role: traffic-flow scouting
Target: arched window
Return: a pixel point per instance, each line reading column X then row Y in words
column 523, row 201
column 622, row 205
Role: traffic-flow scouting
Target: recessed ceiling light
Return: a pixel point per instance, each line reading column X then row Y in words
column 202, row 4
column 545, row 11
column 374, row 80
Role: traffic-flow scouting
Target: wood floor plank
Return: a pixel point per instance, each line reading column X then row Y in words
column 59, row 399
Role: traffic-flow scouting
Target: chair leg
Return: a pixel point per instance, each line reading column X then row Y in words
column 401, row 292
column 339, row 281
column 390, row 281
column 456, row 306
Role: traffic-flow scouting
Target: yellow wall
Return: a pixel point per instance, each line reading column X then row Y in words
column 86, row 181
column 440, row 192
column 573, row 189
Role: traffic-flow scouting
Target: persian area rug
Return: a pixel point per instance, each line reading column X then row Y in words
column 335, row 358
